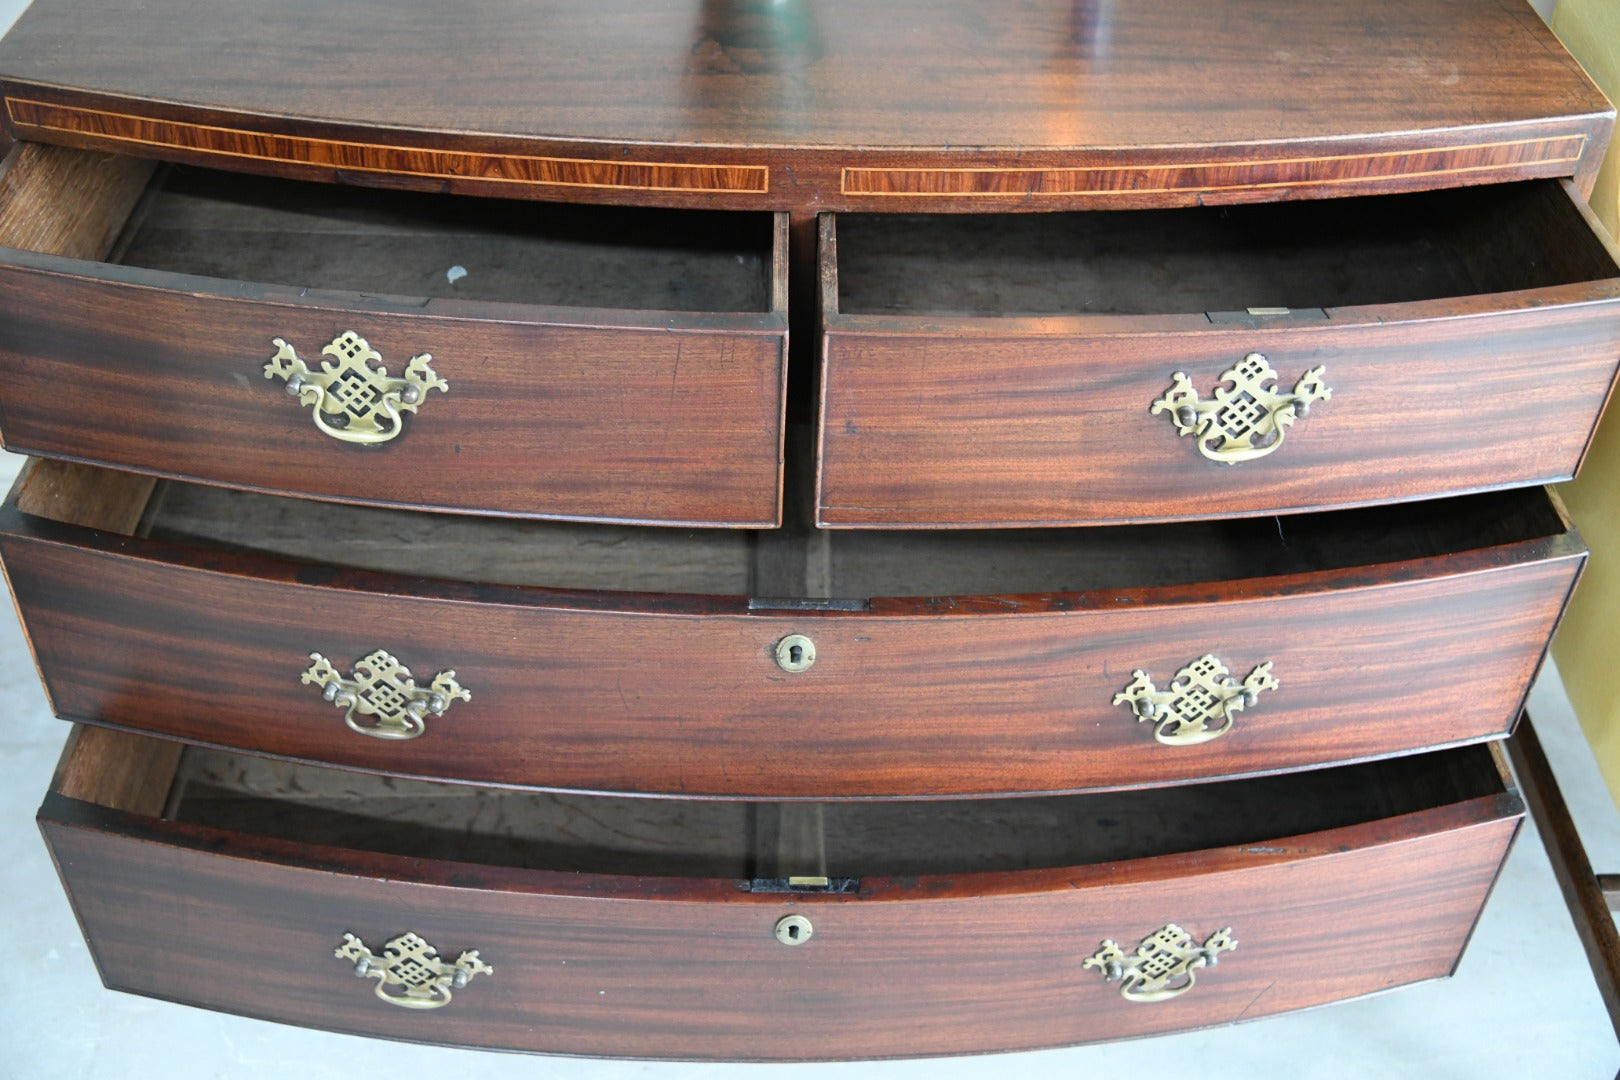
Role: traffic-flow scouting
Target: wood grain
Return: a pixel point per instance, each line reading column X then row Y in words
column 689, row 968
column 932, row 419
column 118, row 770
column 81, row 495
column 660, row 693
column 134, row 133
column 579, row 412
column 804, row 106
column 500, row 827
column 1213, row 178
column 1584, row 892
column 67, row 202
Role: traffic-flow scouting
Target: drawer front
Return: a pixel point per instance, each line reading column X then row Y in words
column 493, row 405
column 648, row 420
column 682, row 695
column 1438, row 345
column 982, row 424
column 612, row 966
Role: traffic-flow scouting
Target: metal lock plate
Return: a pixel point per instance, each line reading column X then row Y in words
column 795, row 653
column 793, row 930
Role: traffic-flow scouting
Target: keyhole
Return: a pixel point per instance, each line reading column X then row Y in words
column 793, row 930
column 795, row 653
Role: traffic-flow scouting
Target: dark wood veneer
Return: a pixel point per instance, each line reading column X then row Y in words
column 1470, row 340
column 654, row 692
column 589, row 412
column 1588, row 896
column 818, row 106
column 688, row 967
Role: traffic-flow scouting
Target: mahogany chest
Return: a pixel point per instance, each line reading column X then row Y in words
column 621, row 521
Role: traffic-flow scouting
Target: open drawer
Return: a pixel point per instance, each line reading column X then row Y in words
column 443, row 353
column 665, row 928
column 1156, row 365
column 784, row 664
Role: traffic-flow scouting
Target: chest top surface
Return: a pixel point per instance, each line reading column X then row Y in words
column 835, row 104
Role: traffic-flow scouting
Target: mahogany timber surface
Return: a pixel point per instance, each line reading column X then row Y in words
column 939, row 693
column 1470, row 340
column 572, row 409
column 1585, row 893
column 940, row 963
column 920, row 104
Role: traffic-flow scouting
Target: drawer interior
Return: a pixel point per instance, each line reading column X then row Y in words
column 1298, row 255
column 761, row 841
column 379, row 242
column 850, row 565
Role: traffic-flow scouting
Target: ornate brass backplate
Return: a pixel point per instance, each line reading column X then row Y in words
column 1199, row 704
column 1247, row 418
column 382, row 689
column 354, row 397
column 1164, row 965
column 409, row 972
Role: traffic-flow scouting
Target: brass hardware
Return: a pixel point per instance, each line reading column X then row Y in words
column 795, row 653
column 383, row 688
column 1186, row 712
column 1246, row 419
column 413, row 966
column 1165, row 963
column 793, row 930
column 355, row 399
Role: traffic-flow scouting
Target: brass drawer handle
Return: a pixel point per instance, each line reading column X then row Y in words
column 383, row 689
column 1200, row 702
column 409, row 972
column 354, row 397
column 1248, row 418
column 1164, row 966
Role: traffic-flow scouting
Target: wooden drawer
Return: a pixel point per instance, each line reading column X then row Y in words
column 646, row 660
column 940, row 928
column 1006, row 371
column 611, row 365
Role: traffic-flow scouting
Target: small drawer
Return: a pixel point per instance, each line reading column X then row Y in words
column 456, row 354
column 789, row 664
column 674, row 929
column 1156, row 365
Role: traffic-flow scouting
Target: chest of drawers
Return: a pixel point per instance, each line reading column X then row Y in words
column 1038, row 627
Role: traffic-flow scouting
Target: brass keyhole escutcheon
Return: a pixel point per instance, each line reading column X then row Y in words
column 795, row 653
column 793, row 930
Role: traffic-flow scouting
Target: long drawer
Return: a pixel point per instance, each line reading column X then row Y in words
column 393, row 348
column 665, row 928
column 1160, row 365
column 784, row 664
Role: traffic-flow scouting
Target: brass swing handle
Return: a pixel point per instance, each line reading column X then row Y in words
column 380, row 697
column 1199, row 704
column 409, row 972
column 354, row 397
column 1165, row 965
column 1246, row 418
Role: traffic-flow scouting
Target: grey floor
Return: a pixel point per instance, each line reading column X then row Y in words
column 1522, row 1004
